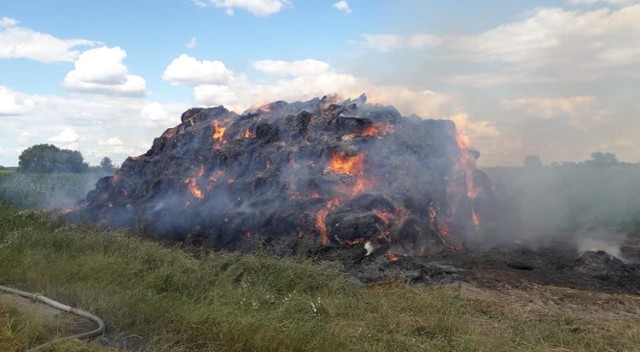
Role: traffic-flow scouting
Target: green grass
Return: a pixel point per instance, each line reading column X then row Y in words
column 188, row 300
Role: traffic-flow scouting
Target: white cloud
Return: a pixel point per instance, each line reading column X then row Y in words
column 190, row 71
column 546, row 108
column 66, row 136
column 308, row 67
column 7, row 22
column 390, row 42
column 112, row 141
column 259, row 8
column 342, row 6
column 215, row 94
column 154, row 112
column 12, row 103
column 192, row 43
column 547, row 37
column 100, row 118
column 102, row 71
column 25, row 43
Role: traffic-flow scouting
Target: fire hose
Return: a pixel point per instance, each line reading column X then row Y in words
column 39, row 298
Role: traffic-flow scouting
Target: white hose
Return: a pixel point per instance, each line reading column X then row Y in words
column 99, row 330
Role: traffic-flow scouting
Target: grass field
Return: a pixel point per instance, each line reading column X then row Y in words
column 183, row 299
column 186, row 301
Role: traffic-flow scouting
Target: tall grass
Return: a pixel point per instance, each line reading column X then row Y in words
column 211, row 301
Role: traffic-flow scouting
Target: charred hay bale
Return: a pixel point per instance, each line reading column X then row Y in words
column 343, row 172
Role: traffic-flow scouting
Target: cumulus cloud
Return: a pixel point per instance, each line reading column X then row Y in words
column 192, row 43
column 342, row 6
column 25, row 43
column 308, row 67
column 12, row 103
column 154, row 112
column 66, row 136
column 259, row 8
column 192, row 72
column 102, row 71
column 78, row 123
column 7, row 22
column 113, row 141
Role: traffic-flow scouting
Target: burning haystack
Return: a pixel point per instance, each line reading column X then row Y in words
column 334, row 173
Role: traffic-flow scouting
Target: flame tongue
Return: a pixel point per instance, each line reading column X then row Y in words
column 218, row 133
column 346, row 164
column 193, row 187
column 247, row 134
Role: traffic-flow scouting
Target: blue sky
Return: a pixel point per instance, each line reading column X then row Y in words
column 554, row 78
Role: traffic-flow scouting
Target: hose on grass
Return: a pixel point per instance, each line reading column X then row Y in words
column 63, row 307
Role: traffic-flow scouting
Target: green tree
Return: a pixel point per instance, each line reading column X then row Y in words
column 602, row 160
column 106, row 164
column 532, row 162
column 47, row 158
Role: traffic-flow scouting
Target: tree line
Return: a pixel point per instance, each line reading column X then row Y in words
column 599, row 160
column 47, row 158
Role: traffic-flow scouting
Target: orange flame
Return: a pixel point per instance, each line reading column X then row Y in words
column 466, row 165
column 321, row 225
column 218, row 133
column 193, row 187
column 392, row 257
column 373, row 130
column 248, row 134
column 362, row 184
column 345, row 164
column 321, row 218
